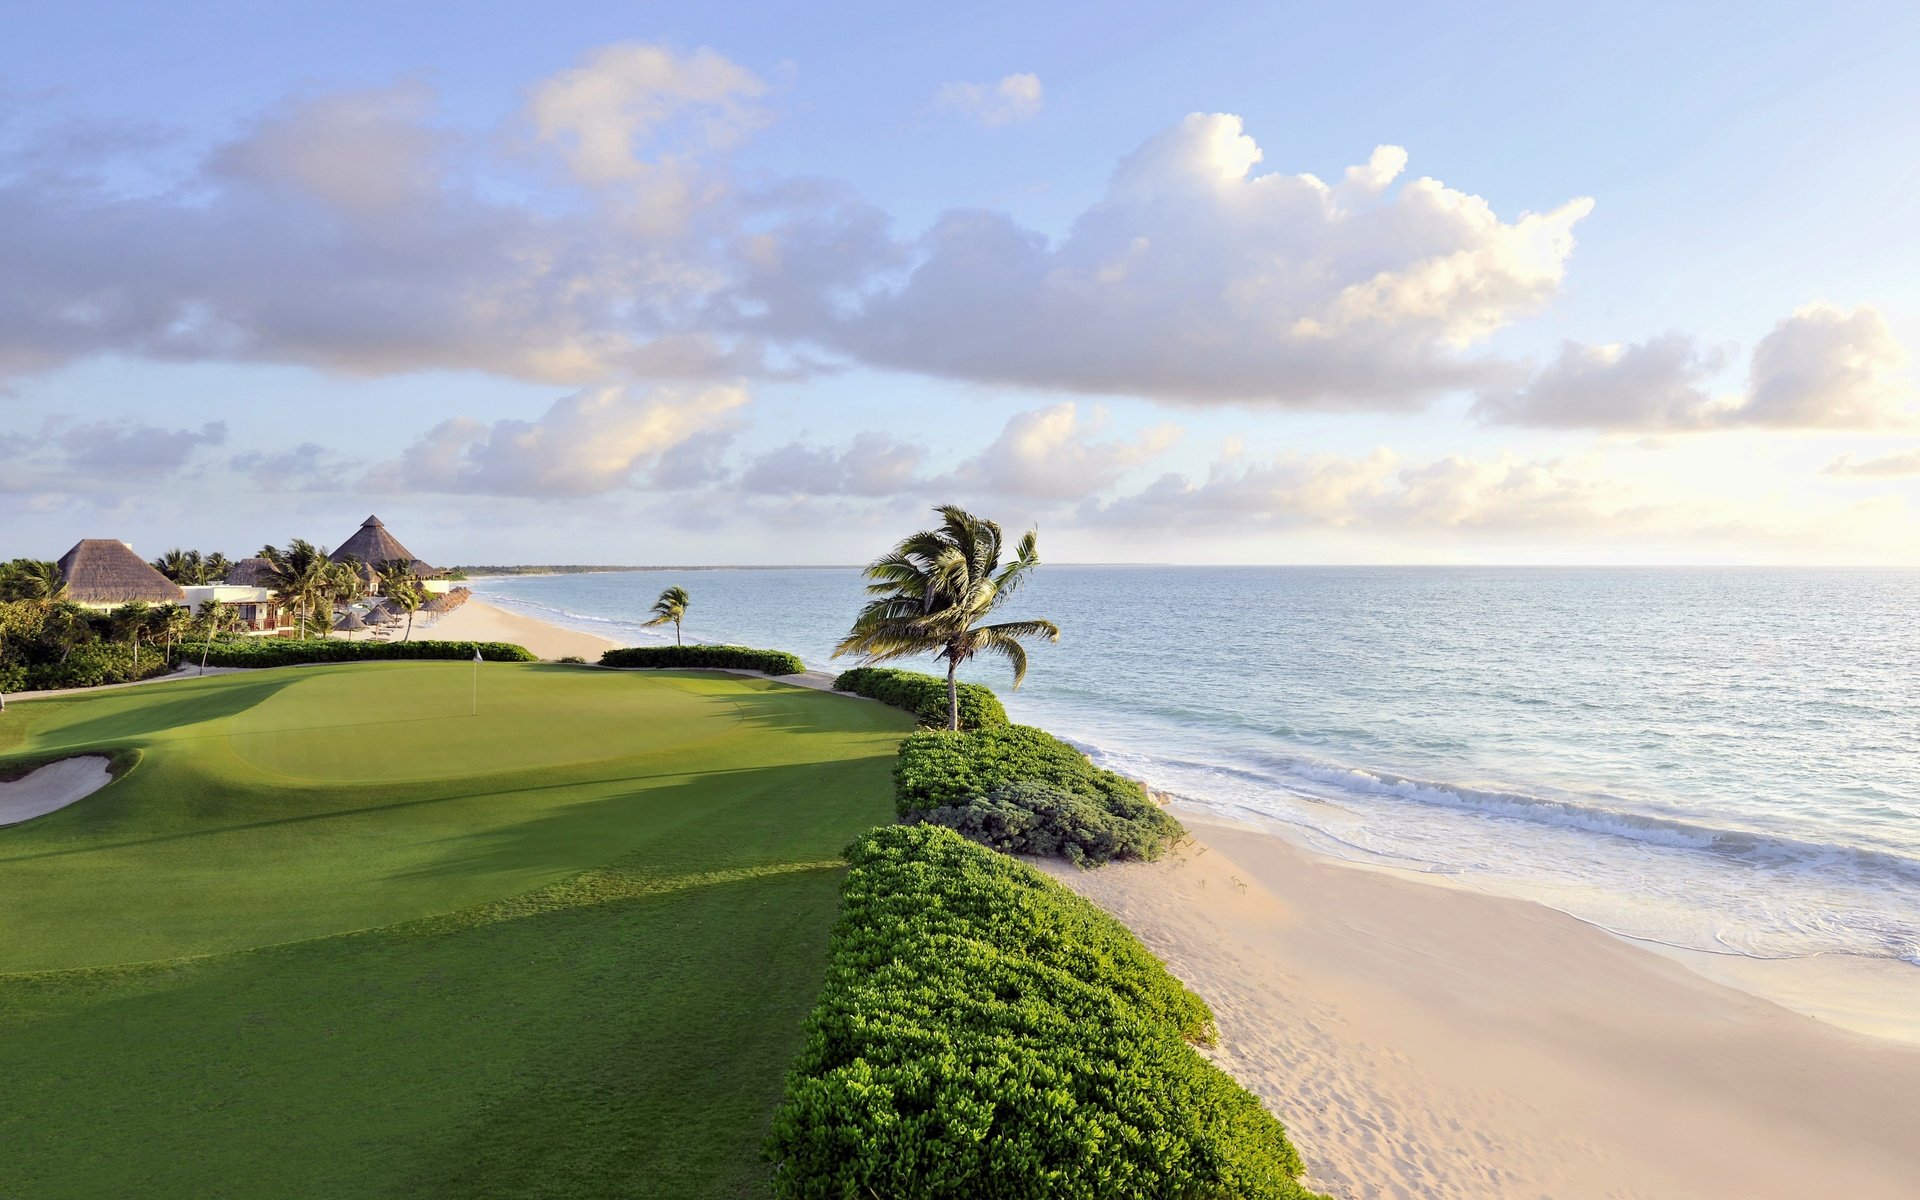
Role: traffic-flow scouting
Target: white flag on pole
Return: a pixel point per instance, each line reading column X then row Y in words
column 476, row 654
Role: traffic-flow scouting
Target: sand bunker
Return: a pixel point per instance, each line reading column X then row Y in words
column 53, row 786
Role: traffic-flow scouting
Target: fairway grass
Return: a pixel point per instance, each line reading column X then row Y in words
column 332, row 935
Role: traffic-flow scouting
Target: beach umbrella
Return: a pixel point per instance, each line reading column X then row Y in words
column 349, row 625
column 439, row 606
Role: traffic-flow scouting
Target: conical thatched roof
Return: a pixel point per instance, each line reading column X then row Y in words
column 106, row 571
column 373, row 545
column 351, row 623
column 249, row 572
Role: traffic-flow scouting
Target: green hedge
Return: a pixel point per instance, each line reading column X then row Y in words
column 1022, row 790
column 286, row 652
column 925, row 696
column 736, row 658
column 984, row 1032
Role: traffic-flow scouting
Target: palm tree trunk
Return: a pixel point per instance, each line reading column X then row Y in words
column 676, row 633
column 409, row 636
column 953, row 692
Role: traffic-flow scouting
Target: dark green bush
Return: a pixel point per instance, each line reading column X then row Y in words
column 984, row 1032
column 286, row 652
column 1033, row 793
column 925, row 696
column 736, row 658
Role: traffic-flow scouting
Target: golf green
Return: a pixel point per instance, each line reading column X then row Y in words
column 334, row 933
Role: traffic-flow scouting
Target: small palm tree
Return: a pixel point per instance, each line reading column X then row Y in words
column 172, row 622
column 298, row 576
column 671, row 606
column 933, row 590
column 130, row 621
column 406, row 595
column 218, row 619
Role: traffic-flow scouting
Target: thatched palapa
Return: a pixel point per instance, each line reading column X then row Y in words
column 103, row 571
column 250, row 572
column 372, row 545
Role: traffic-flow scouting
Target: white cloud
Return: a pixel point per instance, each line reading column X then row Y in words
column 1890, row 466
column 1657, row 384
column 593, row 441
column 1827, row 368
column 1195, row 280
column 68, row 456
column 873, row 464
column 603, row 113
column 1014, row 98
column 1378, row 491
column 1051, row 453
column 1820, row 368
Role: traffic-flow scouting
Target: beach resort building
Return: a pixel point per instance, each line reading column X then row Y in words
column 371, row 545
column 104, row 573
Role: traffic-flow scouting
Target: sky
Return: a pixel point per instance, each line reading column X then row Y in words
column 762, row 283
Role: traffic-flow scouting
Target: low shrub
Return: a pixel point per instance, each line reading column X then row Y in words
column 735, row 658
column 572, row 660
column 985, row 1032
column 925, row 696
column 1021, row 789
column 287, row 652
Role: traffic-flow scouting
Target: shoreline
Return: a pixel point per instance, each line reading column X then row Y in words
column 1443, row 1042
column 478, row 621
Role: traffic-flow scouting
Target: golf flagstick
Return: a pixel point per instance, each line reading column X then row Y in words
column 476, row 679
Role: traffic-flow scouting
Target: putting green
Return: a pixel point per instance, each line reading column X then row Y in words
column 335, row 935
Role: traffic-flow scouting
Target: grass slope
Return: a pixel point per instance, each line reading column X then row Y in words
column 334, row 936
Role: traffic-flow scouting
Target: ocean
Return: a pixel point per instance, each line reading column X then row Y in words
column 1724, row 760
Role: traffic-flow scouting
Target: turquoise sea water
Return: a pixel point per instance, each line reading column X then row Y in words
column 1726, row 760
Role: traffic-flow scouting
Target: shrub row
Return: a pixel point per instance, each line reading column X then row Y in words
column 1022, row 790
column 925, row 696
column 984, row 1032
column 736, row 658
column 286, row 652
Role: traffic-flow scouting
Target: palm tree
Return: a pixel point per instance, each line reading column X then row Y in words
column 405, row 595
column 218, row 618
column 671, row 606
column 933, row 590
column 298, row 576
column 66, row 627
column 32, row 579
column 130, row 621
column 173, row 621
column 215, row 567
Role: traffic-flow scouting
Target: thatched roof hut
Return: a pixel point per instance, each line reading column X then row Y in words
column 104, row 571
column 249, row 572
column 372, row 545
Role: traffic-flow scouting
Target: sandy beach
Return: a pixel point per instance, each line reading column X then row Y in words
column 479, row 621
column 1427, row 1042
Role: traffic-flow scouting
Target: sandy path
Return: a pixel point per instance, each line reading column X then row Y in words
column 1427, row 1042
column 478, row 621
column 53, row 786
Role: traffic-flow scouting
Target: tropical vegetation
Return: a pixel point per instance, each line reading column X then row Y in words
column 924, row 696
column 287, row 652
column 733, row 658
column 984, row 1032
column 931, row 593
column 190, row 568
column 1022, row 790
column 671, row 608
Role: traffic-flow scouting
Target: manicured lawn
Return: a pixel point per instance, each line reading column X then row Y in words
column 334, row 936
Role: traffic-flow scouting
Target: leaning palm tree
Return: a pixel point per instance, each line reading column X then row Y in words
column 298, row 576
column 933, row 590
column 407, row 596
column 217, row 618
column 671, row 606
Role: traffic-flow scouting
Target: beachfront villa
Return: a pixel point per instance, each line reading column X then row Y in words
column 104, row 573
